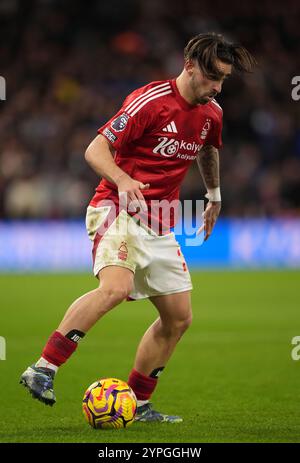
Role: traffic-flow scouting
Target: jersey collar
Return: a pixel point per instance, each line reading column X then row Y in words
column 183, row 103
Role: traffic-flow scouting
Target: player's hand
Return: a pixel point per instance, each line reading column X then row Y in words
column 132, row 190
column 210, row 216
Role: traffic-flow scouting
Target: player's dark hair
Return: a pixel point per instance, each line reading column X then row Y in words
column 206, row 48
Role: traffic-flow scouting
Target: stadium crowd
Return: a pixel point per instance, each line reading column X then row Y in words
column 68, row 66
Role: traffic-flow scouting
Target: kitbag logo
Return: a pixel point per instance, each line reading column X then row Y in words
column 120, row 122
column 109, row 135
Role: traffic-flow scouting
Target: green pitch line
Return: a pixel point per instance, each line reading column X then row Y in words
column 232, row 377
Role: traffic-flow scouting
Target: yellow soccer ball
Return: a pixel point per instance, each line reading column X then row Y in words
column 109, row 403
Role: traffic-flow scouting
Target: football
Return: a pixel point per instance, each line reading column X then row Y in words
column 109, row 403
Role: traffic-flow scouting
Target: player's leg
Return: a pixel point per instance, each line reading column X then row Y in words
column 115, row 285
column 155, row 349
column 159, row 341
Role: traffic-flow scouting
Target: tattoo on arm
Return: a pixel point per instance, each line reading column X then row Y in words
column 208, row 163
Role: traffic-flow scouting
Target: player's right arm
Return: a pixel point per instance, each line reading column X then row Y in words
column 208, row 162
column 99, row 155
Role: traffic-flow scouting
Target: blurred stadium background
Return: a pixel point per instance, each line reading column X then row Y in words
column 68, row 67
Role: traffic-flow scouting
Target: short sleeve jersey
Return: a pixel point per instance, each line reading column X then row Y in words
column 156, row 135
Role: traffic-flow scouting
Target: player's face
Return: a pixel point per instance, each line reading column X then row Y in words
column 204, row 89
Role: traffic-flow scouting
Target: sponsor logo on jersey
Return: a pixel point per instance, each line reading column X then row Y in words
column 169, row 147
column 109, row 135
column 120, row 122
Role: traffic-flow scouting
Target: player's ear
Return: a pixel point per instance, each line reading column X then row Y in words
column 189, row 66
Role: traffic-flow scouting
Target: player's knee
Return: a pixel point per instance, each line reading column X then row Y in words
column 177, row 327
column 185, row 323
column 114, row 294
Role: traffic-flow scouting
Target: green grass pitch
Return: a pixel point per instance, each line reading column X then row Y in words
column 232, row 377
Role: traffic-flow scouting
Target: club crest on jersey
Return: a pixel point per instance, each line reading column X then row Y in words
column 120, row 122
column 205, row 129
column 123, row 251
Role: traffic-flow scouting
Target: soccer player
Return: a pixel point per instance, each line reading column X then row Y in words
column 143, row 154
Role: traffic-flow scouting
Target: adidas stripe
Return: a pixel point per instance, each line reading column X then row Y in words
column 147, row 101
column 140, row 101
column 217, row 104
column 170, row 128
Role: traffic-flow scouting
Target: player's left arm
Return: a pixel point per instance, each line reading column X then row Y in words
column 208, row 162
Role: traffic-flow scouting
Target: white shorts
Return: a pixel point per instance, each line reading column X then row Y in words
column 156, row 261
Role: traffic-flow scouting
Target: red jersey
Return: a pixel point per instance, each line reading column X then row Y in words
column 156, row 135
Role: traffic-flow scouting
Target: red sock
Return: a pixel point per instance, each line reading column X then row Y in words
column 143, row 386
column 58, row 349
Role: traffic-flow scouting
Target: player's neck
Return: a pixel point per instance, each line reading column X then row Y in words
column 184, row 89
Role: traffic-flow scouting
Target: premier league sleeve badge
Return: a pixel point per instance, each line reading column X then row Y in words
column 120, row 122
